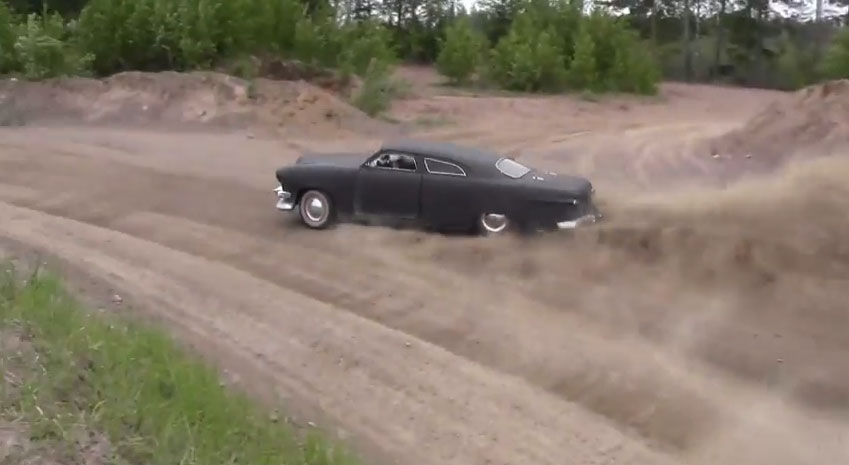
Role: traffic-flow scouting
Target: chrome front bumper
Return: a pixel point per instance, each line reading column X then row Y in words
column 572, row 224
column 592, row 216
column 285, row 201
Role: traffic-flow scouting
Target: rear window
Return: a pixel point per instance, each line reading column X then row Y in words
column 511, row 168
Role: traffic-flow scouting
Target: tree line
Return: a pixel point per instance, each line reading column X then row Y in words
column 528, row 45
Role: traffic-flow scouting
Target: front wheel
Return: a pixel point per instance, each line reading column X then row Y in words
column 316, row 209
column 491, row 224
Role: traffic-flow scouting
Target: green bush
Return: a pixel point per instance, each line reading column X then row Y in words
column 795, row 66
column 510, row 63
column 187, row 34
column 44, row 48
column 263, row 25
column 551, row 74
column 621, row 62
column 550, row 45
column 318, row 40
column 835, row 64
column 8, row 56
column 377, row 91
column 363, row 43
column 634, row 68
column 528, row 58
column 460, row 52
column 583, row 71
column 131, row 34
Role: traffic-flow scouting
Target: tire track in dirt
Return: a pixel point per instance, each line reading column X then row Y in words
column 328, row 267
column 358, row 269
column 381, row 274
column 414, row 401
column 637, row 158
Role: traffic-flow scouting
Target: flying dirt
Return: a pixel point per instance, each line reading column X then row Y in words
column 702, row 322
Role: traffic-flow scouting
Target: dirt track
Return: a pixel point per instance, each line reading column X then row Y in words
column 703, row 330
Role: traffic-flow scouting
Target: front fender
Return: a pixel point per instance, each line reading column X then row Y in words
column 337, row 182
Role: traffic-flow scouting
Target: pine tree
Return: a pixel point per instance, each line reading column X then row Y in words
column 583, row 73
column 8, row 61
column 460, row 52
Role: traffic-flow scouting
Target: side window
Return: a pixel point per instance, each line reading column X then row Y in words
column 443, row 167
column 395, row 161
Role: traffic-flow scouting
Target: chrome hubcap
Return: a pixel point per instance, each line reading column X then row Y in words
column 494, row 222
column 315, row 209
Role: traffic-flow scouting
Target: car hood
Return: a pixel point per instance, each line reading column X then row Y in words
column 341, row 159
column 573, row 185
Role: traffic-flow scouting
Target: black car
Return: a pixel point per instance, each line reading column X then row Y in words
column 441, row 185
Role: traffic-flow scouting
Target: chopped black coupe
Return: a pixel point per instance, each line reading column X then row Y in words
column 440, row 185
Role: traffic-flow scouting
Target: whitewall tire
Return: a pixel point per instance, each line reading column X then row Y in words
column 316, row 209
column 492, row 224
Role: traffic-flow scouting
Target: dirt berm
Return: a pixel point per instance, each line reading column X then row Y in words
column 198, row 99
column 813, row 119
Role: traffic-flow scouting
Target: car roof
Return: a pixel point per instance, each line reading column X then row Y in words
column 471, row 156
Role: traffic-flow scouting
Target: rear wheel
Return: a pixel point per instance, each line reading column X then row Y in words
column 492, row 224
column 316, row 209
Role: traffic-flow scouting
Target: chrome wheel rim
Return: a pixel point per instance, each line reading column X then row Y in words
column 315, row 208
column 494, row 223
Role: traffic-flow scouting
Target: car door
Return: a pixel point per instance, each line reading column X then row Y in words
column 389, row 184
column 449, row 196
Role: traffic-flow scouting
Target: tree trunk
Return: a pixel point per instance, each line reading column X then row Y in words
column 698, row 15
column 761, row 60
column 688, row 53
column 720, row 36
column 654, row 22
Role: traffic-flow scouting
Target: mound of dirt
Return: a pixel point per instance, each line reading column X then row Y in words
column 812, row 119
column 184, row 99
column 274, row 67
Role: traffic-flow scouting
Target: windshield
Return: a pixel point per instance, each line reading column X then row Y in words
column 511, row 168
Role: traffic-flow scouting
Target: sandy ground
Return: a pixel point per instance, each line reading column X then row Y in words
column 703, row 323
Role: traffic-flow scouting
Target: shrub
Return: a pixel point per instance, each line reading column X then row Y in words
column 835, row 64
column 796, row 66
column 552, row 45
column 634, row 68
column 263, row 25
column 44, row 49
column 363, row 43
column 8, row 56
column 125, row 34
column 583, row 72
column 527, row 58
column 318, row 40
column 377, row 91
column 187, row 34
column 460, row 52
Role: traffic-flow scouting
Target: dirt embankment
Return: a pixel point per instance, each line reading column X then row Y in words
column 815, row 118
column 198, row 99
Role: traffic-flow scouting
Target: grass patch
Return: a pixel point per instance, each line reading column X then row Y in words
column 154, row 403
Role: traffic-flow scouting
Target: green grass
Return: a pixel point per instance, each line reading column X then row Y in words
column 155, row 403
